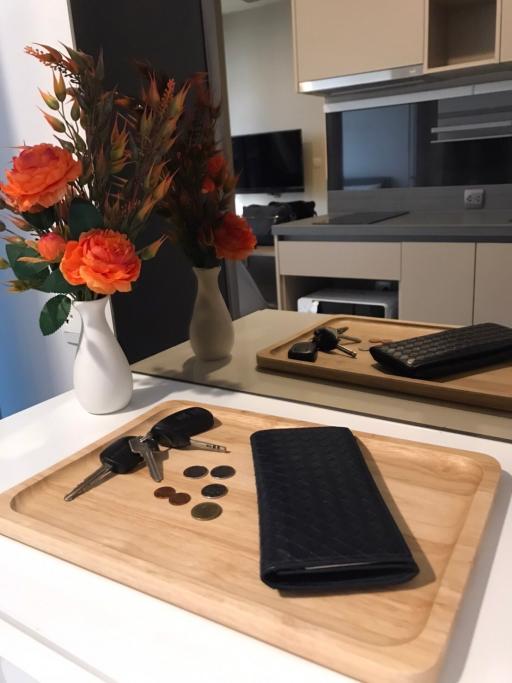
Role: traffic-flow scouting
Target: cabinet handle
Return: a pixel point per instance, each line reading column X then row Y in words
column 471, row 126
column 474, row 137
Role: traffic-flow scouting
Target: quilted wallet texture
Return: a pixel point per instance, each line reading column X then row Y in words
column 323, row 521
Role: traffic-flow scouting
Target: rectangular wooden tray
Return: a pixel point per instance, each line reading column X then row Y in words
column 487, row 387
column 439, row 497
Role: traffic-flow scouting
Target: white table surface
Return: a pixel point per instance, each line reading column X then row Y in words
column 59, row 622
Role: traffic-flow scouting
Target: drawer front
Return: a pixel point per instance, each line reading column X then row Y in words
column 493, row 284
column 360, row 260
column 437, row 282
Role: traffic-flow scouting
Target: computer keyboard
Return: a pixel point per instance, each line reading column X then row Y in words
column 447, row 352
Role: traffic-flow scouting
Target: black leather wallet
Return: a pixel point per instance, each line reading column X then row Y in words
column 445, row 353
column 323, row 522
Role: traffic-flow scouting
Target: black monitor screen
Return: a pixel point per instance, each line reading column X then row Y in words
column 269, row 162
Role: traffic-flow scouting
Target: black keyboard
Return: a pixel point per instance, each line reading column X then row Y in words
column 447, row 352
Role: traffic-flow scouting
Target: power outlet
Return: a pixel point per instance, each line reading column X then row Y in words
column 474, row 199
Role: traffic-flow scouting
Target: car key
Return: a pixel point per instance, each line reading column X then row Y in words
column 187, row 422
column 142, row 446
column 327, row 339
column 306, row 351
column 180, row 440
column 117, row 458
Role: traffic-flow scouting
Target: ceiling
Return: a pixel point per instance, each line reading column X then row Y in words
column 239, row 5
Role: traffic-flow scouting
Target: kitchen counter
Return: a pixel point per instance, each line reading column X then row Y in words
column 491, row 225
column 60, row 623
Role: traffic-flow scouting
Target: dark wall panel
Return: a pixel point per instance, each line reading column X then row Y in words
column 169, row 33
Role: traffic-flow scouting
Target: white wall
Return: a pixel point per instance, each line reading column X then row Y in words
column 32, row 367
column 262, row 96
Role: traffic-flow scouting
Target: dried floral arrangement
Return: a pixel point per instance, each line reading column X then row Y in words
column 197, row 204
column 78, row 208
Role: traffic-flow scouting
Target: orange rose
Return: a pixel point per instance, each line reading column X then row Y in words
column 215, row 165
column 39, row 177
column 104, row 260
column 207, row 186
column 51, row 246
column 234, row 239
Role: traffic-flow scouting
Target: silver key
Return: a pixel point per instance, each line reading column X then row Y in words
column 207, row 446
column 89, row 482
column 141, row 447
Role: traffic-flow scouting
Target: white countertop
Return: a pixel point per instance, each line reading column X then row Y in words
column 59, row 622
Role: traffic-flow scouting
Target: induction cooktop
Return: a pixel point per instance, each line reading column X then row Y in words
column 359, row 218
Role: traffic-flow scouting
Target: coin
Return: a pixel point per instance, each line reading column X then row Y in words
column 380, row 341
column 364, row 348
column 164, row 492
column 195, row 472
column 179, row 498
column 206, row 511
column 214, row 491
column 223, row 472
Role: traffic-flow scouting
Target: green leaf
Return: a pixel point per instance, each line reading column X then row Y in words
column 57, row 283
column 83, row 216
column 23, row 271
column 54, row 314
column 42, row 220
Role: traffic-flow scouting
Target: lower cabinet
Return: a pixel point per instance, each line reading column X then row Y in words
column 493, row 284
column 437, row 282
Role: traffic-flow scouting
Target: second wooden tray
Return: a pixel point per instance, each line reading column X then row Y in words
column 439, row 497
column 487, row 387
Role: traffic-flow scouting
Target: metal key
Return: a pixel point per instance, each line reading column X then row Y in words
column 340, row 332
column 180, row 440
column 117, row 458
column 142, row 445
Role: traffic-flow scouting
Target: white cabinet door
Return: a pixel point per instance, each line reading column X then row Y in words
column 341, row 37
column 493, row 284
column 437, row 282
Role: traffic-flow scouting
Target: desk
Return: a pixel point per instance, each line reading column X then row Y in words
column 59, row 623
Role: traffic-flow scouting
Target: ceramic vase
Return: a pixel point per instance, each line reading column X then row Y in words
column 101, row 376
column 211, row 328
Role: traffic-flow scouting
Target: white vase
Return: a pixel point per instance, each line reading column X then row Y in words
column 101, row 375
column 211, row 328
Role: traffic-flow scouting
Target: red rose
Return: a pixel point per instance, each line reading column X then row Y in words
column 234, row 238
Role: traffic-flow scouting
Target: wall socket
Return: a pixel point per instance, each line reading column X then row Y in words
column 474, row 199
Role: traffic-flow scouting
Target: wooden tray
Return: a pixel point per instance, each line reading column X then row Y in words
column 487, row 387
column 439, row 497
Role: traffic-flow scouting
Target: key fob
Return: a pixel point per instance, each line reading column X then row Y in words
column 188, row 422
column 326, row 338
column 303, row 351
column 119, row 456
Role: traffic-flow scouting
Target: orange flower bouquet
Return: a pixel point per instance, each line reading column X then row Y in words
column 197, row 207
column 197, row 204
column 78, row 207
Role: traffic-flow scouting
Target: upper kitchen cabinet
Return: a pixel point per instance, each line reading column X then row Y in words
column 340, row 38
column 506, row 31
column 462, row 33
